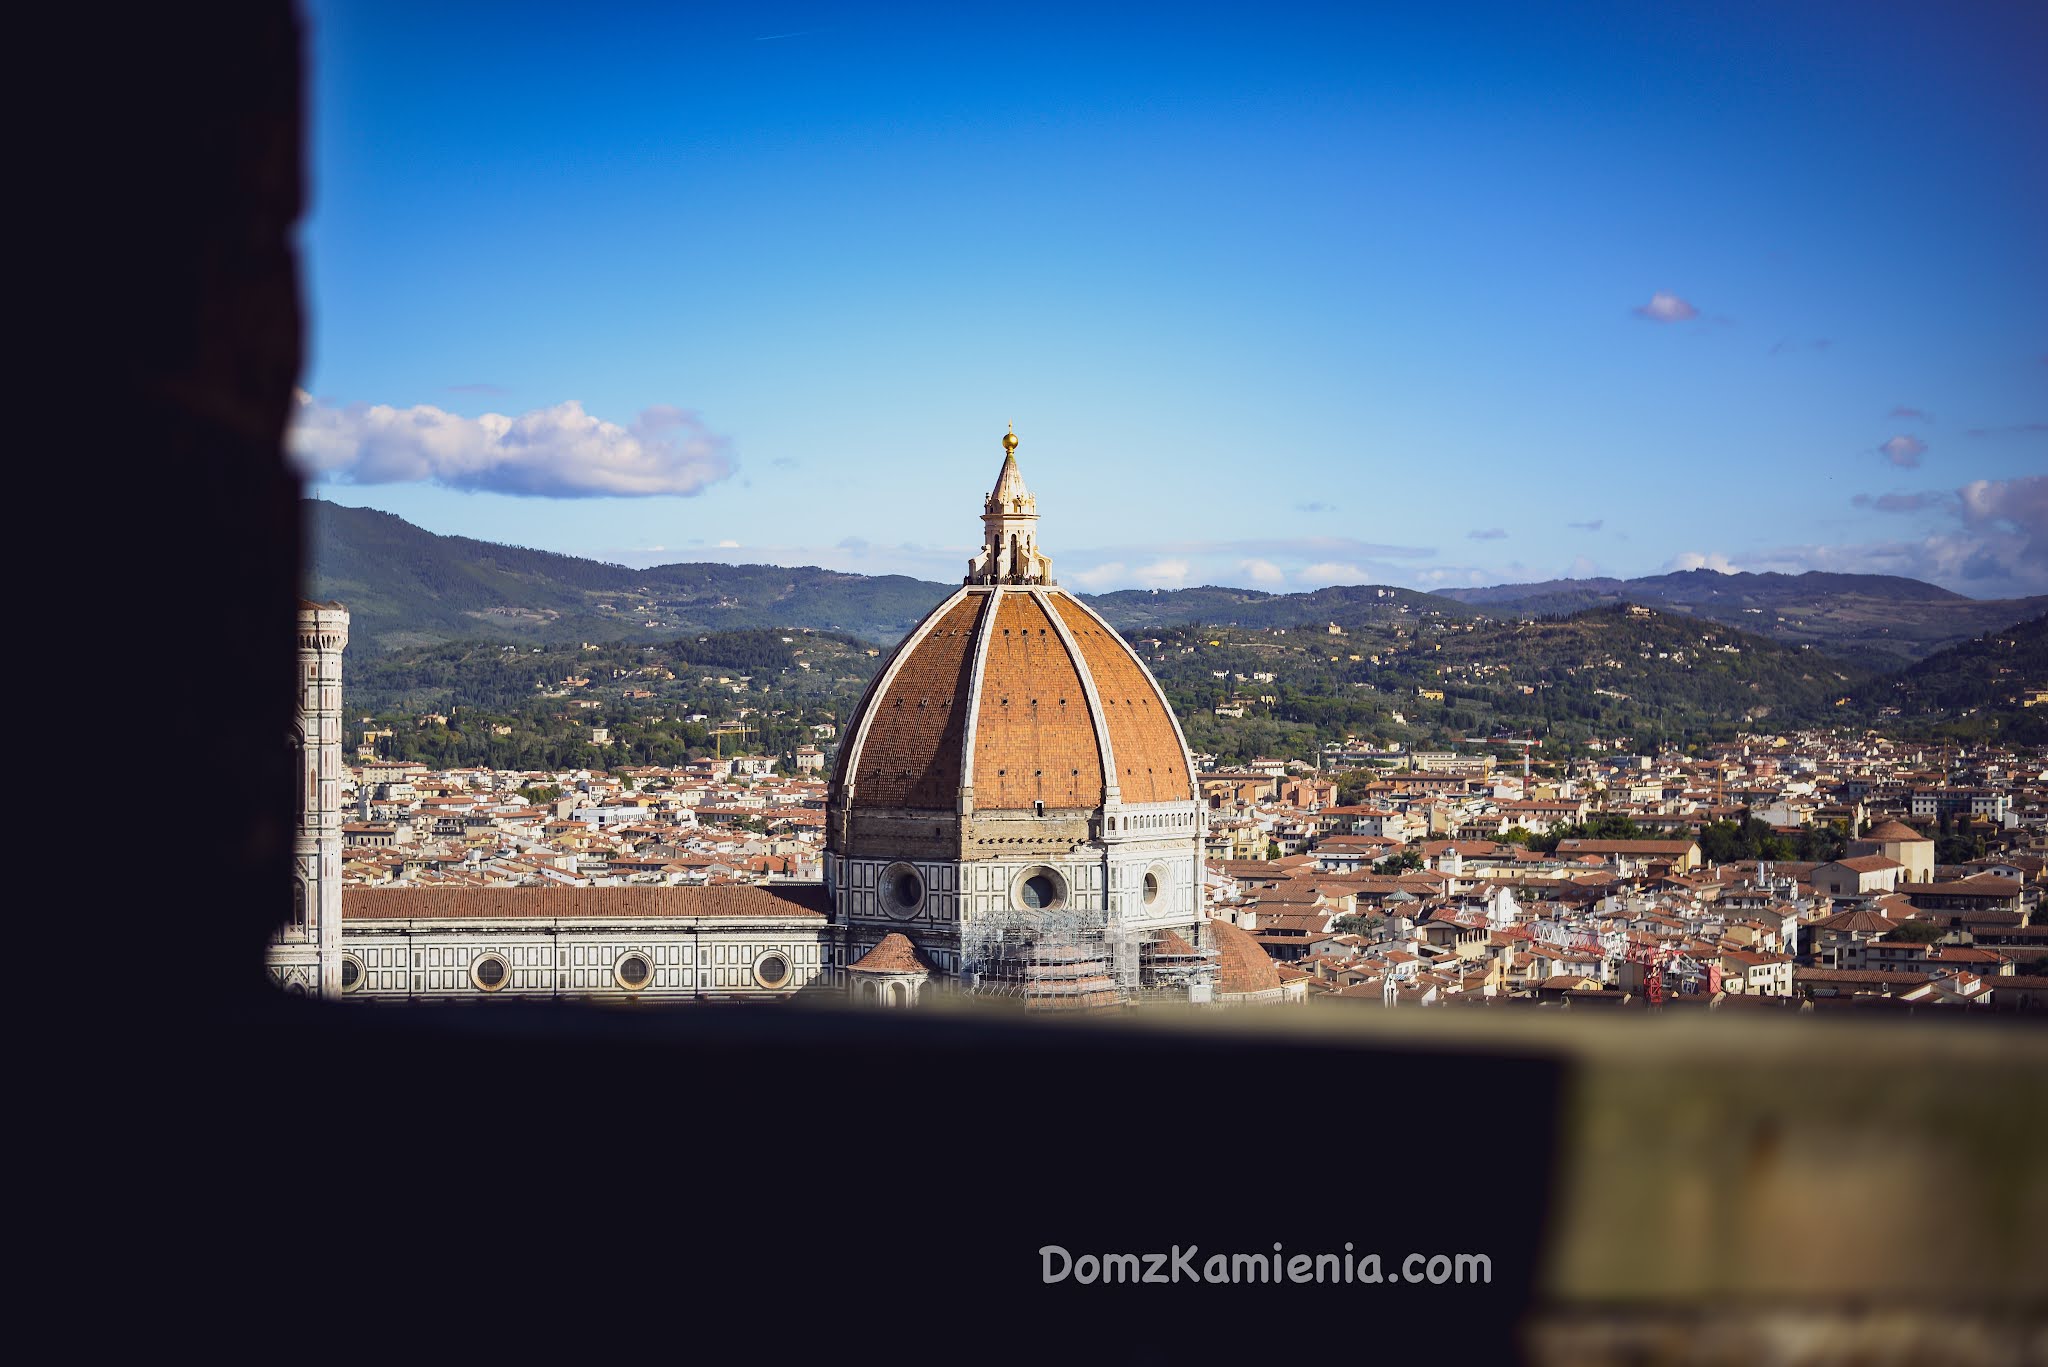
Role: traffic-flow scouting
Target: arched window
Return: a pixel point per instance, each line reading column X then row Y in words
column 899, row 994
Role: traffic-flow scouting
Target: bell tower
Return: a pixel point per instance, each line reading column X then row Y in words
column 1009, row 537
column 305, row 954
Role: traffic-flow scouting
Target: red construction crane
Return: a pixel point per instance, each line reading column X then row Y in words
column 1653, row 962
column 1527, row 740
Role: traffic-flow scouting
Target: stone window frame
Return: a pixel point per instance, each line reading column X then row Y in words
column 476, row 971
column 1064, row 894
column 619, row 967
column 1152, row 887
column 885, row 890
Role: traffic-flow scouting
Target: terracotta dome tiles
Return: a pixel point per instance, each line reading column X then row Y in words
column 1034, row 737
column 1151, row 765
column 916, row 729
column 1034, row 740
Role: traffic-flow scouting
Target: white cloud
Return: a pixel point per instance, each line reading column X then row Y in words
column 727, row 545
column 558, row 452
column 1162, row 574
column 1694, row 560
column 1332, row 572
column 1099, row 577
column 1487, row 534
column 1999, row 547
column 2021, row 504
column 1902, row 503
column 1454, row 576
column 1904, row 451
column 1666, row 308
column 1271, row 563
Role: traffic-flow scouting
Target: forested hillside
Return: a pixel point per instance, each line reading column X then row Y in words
column 1981, row 687
column 1608, row 673
column 407, row 587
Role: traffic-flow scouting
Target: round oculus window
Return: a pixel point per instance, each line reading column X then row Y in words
column 1041, row 889
column 490, row 972
column 902, row 890
column 633, row 971
column 771, row 970
column 1152, row 884
column 351, row 973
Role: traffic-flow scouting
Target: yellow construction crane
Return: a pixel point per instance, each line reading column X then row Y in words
column 740, row 729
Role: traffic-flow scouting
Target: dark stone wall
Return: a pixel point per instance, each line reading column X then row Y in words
column 241, row 1173
column 184, row 331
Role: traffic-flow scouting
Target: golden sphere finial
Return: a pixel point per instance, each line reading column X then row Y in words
column 1010, row 438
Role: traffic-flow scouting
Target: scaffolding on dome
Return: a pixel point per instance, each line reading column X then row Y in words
column 1176, row 971
column 1058, row 960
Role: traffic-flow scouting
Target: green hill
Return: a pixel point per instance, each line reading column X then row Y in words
column 1606, row 673
column 1878, row 620
column 405, row 586
column 1978, row 688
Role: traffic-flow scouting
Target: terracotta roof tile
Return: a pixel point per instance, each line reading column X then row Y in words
column 893, row 954
column 611, row 904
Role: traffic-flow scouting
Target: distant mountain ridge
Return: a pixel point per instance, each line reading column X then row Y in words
column 1703, row 585
column 1346, row 605
column 406, row 586
column 1878, row 620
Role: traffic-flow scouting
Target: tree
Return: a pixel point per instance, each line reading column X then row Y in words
column 1404, row 862
column 1351, row 786
column 1368, row 926
column 1958, row 849
column 1916, row 932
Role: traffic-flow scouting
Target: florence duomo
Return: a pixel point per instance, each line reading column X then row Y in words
column 1013, row 812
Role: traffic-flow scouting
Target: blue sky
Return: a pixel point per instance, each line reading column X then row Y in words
column 1278, row 296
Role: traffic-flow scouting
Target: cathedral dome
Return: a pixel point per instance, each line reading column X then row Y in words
column 1008, row 698
column 1245, row 967
column 1012, row 695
